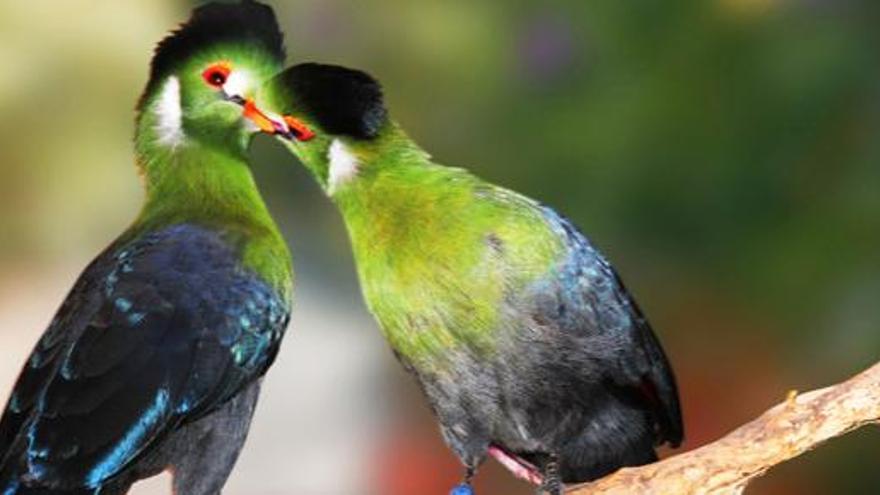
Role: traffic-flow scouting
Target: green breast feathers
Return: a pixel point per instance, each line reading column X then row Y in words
column 433, row 281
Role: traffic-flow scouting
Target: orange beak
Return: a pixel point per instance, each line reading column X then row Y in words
column 260, row 119
column 290, row 128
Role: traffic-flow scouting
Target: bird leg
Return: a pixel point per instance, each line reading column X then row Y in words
column 552, row 484
column 464, row 488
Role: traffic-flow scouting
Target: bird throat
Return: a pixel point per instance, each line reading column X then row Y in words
column 192, row 183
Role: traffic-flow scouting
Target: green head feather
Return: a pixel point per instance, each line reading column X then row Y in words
column 222, row 54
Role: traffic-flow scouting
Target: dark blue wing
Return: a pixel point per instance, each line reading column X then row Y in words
column 594, row 300
column 158, row 332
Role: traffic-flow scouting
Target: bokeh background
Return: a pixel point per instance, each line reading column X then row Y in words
column 723, row 153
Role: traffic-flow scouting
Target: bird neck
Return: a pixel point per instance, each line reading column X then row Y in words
column 394, row 187
column 413, row 254
column 196, row 183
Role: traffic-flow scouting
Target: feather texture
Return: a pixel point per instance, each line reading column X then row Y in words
column 156, row 333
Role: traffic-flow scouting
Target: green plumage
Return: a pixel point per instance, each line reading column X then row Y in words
column 205, row 178
column 216, row 189
column 432, row 280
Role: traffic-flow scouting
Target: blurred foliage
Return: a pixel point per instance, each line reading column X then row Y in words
column 723, row 153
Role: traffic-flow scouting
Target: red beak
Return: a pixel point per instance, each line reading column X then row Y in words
column 290, row 128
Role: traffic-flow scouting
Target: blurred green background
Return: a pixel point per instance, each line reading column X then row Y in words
column 723, row 153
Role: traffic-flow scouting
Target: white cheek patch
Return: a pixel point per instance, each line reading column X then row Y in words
column 343, row 165
column 236, row 84
column 169, row 126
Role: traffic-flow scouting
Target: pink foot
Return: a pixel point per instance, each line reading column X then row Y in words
column 520, row 468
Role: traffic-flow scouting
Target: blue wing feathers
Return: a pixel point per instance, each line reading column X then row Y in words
column 594, row 299
column 156, row 332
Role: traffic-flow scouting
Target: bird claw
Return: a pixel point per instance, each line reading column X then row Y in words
column 462, row 489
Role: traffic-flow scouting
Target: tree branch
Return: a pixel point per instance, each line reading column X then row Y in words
column 727, row 465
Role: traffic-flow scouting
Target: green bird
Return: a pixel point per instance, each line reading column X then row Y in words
column 519, row 331
column 154, row 360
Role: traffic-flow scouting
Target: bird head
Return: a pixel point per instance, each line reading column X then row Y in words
column 204, row 76
column 334, row 119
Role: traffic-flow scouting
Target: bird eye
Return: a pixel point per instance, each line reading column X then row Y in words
column 216, row 75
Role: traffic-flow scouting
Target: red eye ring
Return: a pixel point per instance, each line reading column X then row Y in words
column 217, row 74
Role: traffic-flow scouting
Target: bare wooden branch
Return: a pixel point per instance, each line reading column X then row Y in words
column 727, row 465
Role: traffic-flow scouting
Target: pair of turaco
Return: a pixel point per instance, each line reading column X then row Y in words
column 522, row 336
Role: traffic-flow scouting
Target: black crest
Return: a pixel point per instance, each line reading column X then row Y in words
column 342, row 101
column 242, row 22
